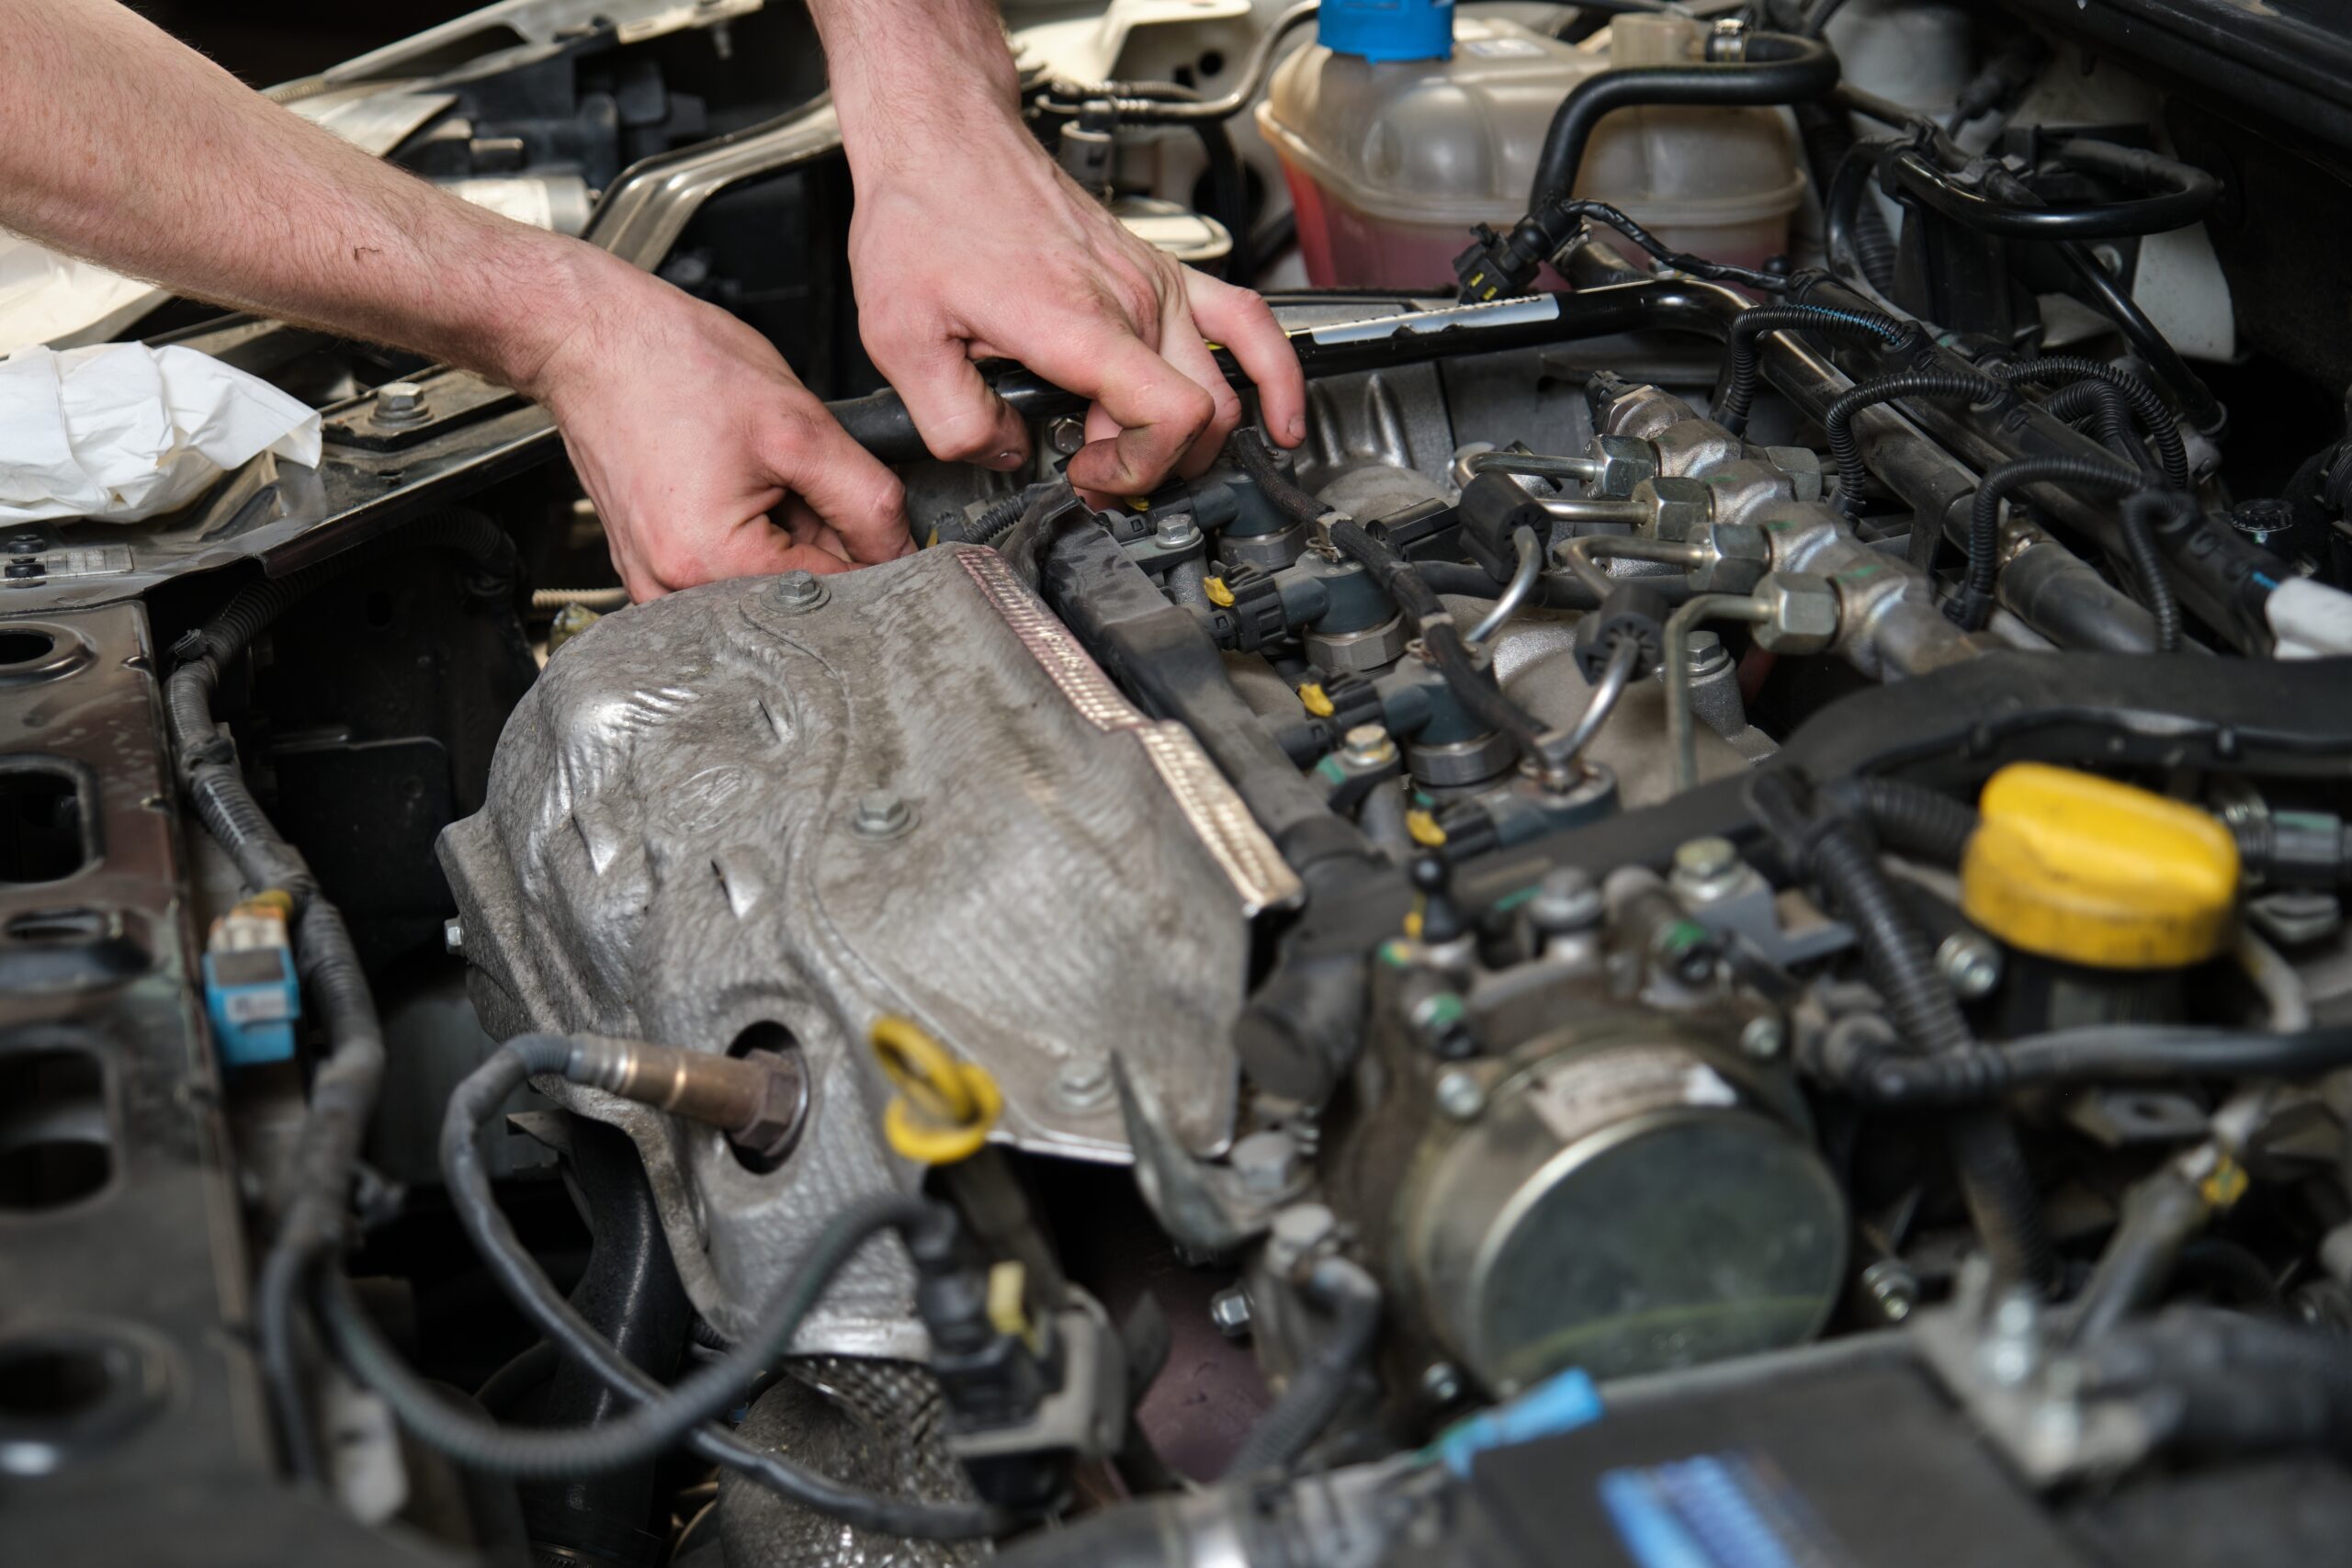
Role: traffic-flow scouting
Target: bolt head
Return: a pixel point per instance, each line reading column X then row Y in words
column 1892, row 1286
column 881, row 814
column 1083, row 1082
column 1067, row 436
column 1368, row 746
column 1705, row 860
column 1567, row 899
column 400, row 403
column 1176, row 530
column 453, row 937
column 1460, row 1096
column 1265, row 1161
column 1229, row 1311
column 1442, row 1382
column 1970, row 962
column 1763, row 1038
column 797, row 591
column 1800, row 610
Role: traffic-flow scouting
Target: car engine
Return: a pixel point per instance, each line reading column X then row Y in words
column 1707, row 930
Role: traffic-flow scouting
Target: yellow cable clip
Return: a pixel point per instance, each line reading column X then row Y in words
column 945, row 1108
column 1315, row 700
column 1219, row 594
column 1422, row 827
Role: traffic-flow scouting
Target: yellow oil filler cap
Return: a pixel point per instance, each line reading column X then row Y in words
column 2080, row 868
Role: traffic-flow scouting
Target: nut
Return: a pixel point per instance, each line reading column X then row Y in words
column 1625, row 461
column 783, row 1107
column 1970, row 962
column 1802, row 465
column 1801, row 613
column 1266, row 1161
column 1567, row 899
column 1742, row 554
column 1705, row 868
column 1763, row 1038
column 1679, row 507
column 1229, row 1311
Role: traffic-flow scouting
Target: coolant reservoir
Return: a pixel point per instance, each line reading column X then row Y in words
column 1390, row 165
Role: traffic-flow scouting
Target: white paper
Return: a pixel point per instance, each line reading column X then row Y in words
column 120, row 430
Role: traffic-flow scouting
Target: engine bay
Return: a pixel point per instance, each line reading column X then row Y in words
column 1707, row 930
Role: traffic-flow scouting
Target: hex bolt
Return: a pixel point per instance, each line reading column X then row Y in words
column 453, row 937
column 881, row 814
column 1705, row 869
column 1971, row 962
column 401, row 402
column 1459, row 1095
column 1763, row 1038
column 1567, row 899
column 1893, row 1288
column 1230, row 1310
column 1066, row 436
column 1265, row 1161
column 1176, row 531
column 796, row 591
column 1367, row 746
column 1442, row 1382
column 1084, row 1081
column 1707, row 652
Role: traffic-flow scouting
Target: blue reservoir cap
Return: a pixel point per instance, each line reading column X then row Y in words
column 1387, row 29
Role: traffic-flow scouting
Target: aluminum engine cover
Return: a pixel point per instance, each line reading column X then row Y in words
column 669, row 852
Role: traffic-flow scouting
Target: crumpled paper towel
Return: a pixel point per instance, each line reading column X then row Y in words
column 120, row 430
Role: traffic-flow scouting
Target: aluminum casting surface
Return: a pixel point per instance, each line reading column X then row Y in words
column 670, row 851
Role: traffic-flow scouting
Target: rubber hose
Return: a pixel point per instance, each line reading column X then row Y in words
column 2147, row 559
column 1230, row 196
column 1911, row 818
column 528, row 1288
column 2147, row 340
column 1828, row 139
column 1780, row 68
column 2118, row 1053
column 1984, row 511
column 1838, row 419
column 2147, row 405
column 1740, row 362
column 2110, row 415
column 1993, row 1177
column 1319, row 1387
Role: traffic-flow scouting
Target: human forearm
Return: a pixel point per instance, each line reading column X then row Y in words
column 121, row 145
column 912, row 77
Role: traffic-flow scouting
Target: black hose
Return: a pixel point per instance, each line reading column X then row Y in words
column 2218, row 1382
column 2185, row 201
column 1910, row 818
column 1320, row 1386
column 2101, row 1054
column 343, row 1088
column 2139, row 515
column 2114, row 301
column 1739, row 390
column 1833, row 849
column 527, row 1369
column 1228, row 197
column 1837, row 421
column 1828, row 137
column 665, row 1416
column 2110, row 415
column 1780, row 69
column 1972, row 607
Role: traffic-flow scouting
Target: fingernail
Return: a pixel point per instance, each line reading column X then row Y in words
column 1297, row 427
column 1007, row 458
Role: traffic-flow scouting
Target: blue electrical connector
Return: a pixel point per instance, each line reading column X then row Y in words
column 1559, row 1404
column 1387, row 29
column 250, row 991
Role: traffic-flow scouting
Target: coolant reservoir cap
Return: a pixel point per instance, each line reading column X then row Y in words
column 2080, row 868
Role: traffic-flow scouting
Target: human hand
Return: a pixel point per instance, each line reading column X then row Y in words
column 1039, row 272
column 705, row 455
